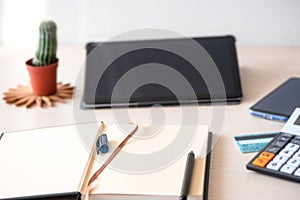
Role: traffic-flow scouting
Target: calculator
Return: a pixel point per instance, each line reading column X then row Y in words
column 281, row 157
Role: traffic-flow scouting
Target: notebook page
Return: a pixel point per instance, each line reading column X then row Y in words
column 164, row 181
column 41, row 161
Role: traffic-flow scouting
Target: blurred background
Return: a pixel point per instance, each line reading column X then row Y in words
column 253, row 22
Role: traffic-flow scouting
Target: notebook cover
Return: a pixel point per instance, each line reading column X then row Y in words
column 62, row 196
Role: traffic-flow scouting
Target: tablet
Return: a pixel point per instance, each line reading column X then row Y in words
column 280, row 103
column 100, row 79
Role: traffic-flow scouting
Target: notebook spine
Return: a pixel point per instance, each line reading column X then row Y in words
column 207, row 167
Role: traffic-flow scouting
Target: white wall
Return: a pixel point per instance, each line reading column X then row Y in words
column 255, row 22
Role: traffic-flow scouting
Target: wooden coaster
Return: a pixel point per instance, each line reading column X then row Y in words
column 24, row 96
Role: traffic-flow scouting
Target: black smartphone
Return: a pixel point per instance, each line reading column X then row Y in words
column 280, row 103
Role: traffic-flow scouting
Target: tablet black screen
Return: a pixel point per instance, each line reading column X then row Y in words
column 99, row 86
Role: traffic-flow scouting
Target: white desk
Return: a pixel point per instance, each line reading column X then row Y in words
column 262, row 69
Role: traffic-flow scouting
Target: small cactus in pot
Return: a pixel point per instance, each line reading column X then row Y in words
column 46, row 52
column 42, row 68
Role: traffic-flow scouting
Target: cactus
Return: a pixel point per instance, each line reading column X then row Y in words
column 46, row 52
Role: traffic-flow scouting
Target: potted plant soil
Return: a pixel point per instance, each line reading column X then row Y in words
column 43, row 67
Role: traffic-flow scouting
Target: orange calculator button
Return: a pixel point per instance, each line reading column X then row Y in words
column 260, row 162
column 267, row 155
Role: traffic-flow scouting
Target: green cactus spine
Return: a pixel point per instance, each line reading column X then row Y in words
column 46, row 52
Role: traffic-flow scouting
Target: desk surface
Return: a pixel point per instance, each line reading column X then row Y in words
column 261, row 68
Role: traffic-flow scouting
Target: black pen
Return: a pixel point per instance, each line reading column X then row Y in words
column 187, row 176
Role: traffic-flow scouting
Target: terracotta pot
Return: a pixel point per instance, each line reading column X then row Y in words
column 43, row 79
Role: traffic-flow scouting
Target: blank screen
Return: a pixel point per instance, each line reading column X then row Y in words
column 99, row 87
column 281, row 101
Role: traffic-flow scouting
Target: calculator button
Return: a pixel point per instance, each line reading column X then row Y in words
column 267, row 155
column 278, row 143
column 293, row 162
column 297, row 172
column 284, row 139
column 297, row 137
column 297, row 155
column 280, row 158
column 296, row 141
column 289, row 169
column 286, row 152
column 292, row 147
column 286, row 135
column 260, row 162
column 274, row 165
column 273, row 149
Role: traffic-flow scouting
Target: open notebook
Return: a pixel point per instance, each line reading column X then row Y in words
column 57, row 163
